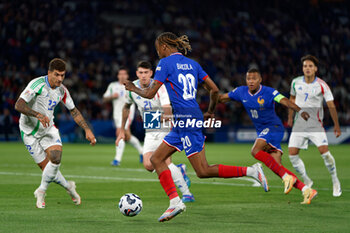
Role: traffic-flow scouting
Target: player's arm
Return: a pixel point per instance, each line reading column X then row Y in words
column 147, row 93
column 79, row 119
column 334, row 115
column 125, row 115
column 223, row 98
column 110, row 98
column 291, row 111
column 289, row 104
column 214, row 97
column 167, row 112
column 22, row 107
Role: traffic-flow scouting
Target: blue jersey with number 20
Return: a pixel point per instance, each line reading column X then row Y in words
column 181, row 76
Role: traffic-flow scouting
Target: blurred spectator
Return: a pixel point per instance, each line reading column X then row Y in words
column 97, row 37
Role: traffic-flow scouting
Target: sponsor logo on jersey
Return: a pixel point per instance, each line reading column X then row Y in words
column 158, row 68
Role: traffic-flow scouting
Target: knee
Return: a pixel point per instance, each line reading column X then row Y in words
column 148, row 166
column 55, row 156
column 253, row 152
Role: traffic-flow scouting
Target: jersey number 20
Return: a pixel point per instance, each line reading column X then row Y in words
column 189, row 83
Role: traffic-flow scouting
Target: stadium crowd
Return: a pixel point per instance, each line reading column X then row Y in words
column 97, row 37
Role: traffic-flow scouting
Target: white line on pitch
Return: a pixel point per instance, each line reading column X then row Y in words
column 144, row 180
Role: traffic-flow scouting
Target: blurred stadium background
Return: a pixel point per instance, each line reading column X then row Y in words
column 228, row 37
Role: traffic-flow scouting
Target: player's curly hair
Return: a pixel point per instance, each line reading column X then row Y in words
column 182, row 43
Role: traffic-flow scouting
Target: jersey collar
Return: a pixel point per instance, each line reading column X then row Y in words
column 176, row 53
column 47, row 81
column 255, row 92
column 312, row 81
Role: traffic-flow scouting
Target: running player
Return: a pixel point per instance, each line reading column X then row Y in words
column 116, row 93
column 37, row 104
column 308, row 92
column 181, row 76
column 259, row 102
column 153, row 138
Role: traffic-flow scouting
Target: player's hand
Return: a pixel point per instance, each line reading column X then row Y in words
column 90, row 137
column 305, row 115
column 290, row 122
column 337, row 131
column 129, row 85
column 43, row 119
column 208, row 115
column 121, row 136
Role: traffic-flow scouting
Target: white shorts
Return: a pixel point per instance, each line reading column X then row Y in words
column 300, row 139
column 36, row 146
column 118, row 119
column 153, row 140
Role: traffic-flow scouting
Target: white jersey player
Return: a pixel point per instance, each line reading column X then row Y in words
column 158, row 106
column 308, row 92
column 36, row 104
column 116, row 93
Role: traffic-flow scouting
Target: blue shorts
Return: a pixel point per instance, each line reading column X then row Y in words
column 273, row 136
column 189, row 139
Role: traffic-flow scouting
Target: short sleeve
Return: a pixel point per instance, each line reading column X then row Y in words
column 161, row 71
column 163, row 96
column 67, row 99
column 202, row 75
column 292, row 88
column 108, row 92
column 32, row 89
column 235, row 94
column 326, row 91
column 128, row 98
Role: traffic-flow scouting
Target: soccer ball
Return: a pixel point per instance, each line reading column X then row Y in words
column 130, row 205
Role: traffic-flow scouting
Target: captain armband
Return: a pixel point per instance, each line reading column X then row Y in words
column 278, row 98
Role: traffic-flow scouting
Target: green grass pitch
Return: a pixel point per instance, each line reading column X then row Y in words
column 222, row 205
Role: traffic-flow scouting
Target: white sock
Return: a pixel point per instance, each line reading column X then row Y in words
column 179, row 179
column 330, row 164
column 59, row 179
column 174, row 201
column 304, row 188
column 251, row 172
column 119, row 150
column 49, row 174
column 299, row 166
column 136, row 143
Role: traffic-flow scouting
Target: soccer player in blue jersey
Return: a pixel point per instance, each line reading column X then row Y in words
column 259, row 102
column 181, row 76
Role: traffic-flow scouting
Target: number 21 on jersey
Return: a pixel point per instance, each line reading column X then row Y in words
column 189, row 86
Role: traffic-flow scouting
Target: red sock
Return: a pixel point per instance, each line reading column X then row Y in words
column 298, row 184
column 231, row 171
column 270, row 162
column 168, row 184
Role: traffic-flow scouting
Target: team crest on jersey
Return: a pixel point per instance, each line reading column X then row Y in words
column 261, row 101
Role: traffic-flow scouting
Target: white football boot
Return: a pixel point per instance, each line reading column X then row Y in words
column 40, row 198
column 73, row 193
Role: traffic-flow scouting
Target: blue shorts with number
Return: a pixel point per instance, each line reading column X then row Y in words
column 273, row 136
column 189, row 139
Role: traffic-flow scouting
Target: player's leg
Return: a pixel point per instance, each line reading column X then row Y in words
column 204, row 170
column 38, row 154
column 158, row 161
column 329, row 161
column 259, row 151
column 180, row 182
column 131, row 138
column 119, row 150
column 299, row 140
column 59, row 179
